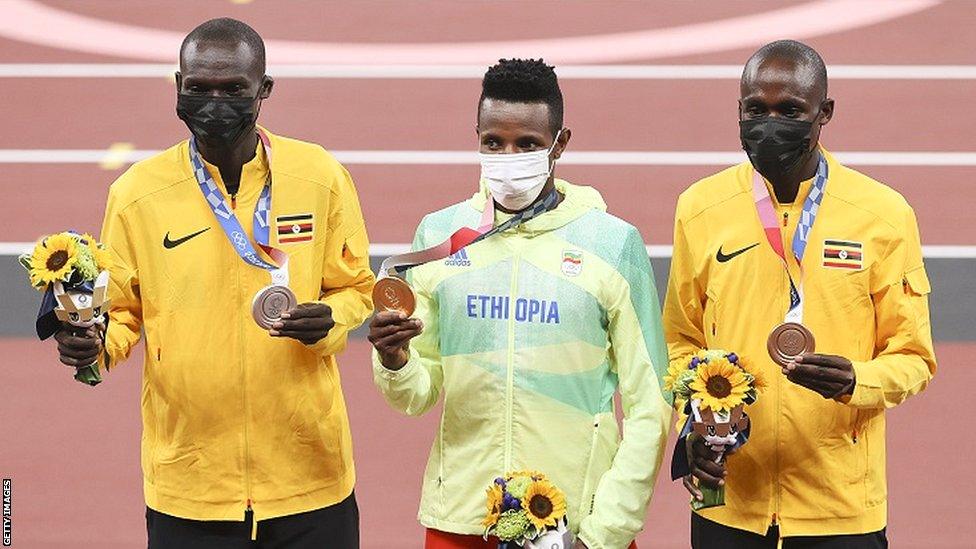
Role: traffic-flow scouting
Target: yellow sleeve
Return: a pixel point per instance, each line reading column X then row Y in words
column 684, row 302
column 415, row 388
column 347, row 280
column 125, row 309
column 904, row 360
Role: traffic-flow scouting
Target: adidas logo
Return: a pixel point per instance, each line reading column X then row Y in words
column 460, row 259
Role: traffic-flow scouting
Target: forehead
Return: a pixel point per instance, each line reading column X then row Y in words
column 209, row 60
column 775, row 77
column 501, row 115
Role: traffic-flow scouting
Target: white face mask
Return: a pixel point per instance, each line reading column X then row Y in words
column 515, row 180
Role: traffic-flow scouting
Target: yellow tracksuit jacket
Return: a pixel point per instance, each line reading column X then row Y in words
column 231, row 416
column 814, row 466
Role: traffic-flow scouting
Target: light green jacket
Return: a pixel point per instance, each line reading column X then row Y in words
column 528, row 335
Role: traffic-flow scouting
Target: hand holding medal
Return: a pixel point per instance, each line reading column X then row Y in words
column 274, row 306
column 791, row 344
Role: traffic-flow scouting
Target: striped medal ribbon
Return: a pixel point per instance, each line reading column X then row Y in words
column 771, row 226
column 465, row 236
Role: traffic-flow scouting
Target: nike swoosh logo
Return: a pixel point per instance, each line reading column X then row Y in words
column 722, row 258
column 169, row 244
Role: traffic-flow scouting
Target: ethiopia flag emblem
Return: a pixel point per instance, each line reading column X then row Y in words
column 572, row 262
column 843, row 254
column 294, row 228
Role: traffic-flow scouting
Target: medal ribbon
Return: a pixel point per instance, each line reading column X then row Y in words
column 771, row 226
column 232, row 227
column 466, row 236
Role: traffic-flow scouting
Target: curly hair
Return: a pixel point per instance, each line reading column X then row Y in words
column 525, row 81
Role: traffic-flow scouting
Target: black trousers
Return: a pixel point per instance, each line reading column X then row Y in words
column 333, row 527
column 706, row 534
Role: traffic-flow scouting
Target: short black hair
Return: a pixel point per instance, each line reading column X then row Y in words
column 525, row 81
column 225, row 30
column 790, row 50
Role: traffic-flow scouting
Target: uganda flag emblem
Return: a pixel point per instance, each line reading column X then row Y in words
column 843, row 254
column 294, row 228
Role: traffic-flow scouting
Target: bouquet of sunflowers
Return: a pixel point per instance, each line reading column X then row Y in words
column 710, row 391
column 72, row 272
column 527, row 510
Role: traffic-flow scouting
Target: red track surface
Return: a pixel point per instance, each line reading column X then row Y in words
column 73, row 451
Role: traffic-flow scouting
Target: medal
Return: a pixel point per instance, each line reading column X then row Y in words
column 392, row 293
column 788, row 341
column 269, row 303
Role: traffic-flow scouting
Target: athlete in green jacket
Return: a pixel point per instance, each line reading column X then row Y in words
column 529, row 333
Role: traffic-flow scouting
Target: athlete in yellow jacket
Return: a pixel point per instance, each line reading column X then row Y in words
column 814, row 467
column 240, row 424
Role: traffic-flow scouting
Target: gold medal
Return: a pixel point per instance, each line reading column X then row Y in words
column 392, row 293
column 788, row 341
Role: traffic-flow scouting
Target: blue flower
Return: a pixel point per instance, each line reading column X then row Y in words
column 510, row 502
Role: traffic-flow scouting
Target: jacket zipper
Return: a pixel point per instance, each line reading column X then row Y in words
column 779, row 415
column 247, row 458
column 510, row 379
column 786, row 218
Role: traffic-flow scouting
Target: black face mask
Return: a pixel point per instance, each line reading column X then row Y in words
column 217, row 121
column 776, row 147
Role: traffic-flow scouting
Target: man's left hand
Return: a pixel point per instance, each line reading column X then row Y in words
column 307, row 322
column 830, row 376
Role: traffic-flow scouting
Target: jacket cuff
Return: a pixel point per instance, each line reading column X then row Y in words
column 596, row 537
column 335, row 341
column 867, row 388
column 393, row 375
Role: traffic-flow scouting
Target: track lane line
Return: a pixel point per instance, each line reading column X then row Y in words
column 578, row 158
column 935, row 251
column 464, row 72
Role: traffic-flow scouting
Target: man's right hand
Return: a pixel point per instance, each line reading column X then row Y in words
column 390, row 333
column 78, row 348
column 703, row 466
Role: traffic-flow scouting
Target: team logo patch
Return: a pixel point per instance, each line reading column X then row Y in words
column 572, row 262
column 458, row 259
column 843, row 254
column 294, row 228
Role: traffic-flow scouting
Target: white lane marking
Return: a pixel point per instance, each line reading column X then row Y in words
column 937, row 251
column 580, row 158
column 34, row 22
column 459, row 72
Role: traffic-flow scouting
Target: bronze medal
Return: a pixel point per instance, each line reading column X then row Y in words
column 270, row 303
column 392, row 293
column 788, row 341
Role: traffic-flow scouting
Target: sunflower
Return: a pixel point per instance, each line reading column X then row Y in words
column 759, row 382
column 494, row 506
column 103, row 259
column 53, row 259
column 674, row 369
column 531, row 473
column 719, row 385
column 545, row 503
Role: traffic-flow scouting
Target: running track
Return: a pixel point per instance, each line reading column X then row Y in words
column 73, row 453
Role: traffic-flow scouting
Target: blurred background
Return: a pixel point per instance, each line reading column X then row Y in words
column 391, row 89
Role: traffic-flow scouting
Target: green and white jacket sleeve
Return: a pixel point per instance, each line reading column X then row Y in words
column 415, row 388
column 639, row 356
